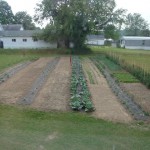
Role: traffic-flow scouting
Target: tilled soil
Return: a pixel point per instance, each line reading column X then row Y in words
column 12, row 71
column 15, row 88
column 106, row 103
column 55, row 94
column 140, row 93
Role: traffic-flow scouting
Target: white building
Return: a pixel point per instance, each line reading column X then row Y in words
column 95, row 40
column 135, row 42
column 15, row 37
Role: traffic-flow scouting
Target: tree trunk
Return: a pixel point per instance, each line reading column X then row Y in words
column 61, row 43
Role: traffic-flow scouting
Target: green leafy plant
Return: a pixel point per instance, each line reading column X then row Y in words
column 80, row 99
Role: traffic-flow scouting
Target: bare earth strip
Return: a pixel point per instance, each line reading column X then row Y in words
column 15, row 88
column 55, row 94
column 106, row 103
column 140, row 93
column 12, row 71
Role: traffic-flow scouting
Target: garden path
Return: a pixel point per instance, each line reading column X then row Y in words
column 106, row 103
column 55, row 94
column 140, row 93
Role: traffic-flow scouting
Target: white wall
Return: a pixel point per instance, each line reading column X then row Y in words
column 138, row 47
column 95, row 42
column 29, row 44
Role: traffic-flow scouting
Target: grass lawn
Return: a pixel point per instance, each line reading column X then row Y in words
column 26, row 129
column 10, row 60
column 11, row 57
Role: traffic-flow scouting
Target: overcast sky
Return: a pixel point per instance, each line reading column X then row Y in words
column 133, row 6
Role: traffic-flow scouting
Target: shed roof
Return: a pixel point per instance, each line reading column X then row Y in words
column 12, row 27
column 24, row 33
column 135, row 38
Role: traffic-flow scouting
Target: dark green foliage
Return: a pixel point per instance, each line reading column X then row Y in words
column 25, row 19
column 136, row 25
column 6, row 14
column 79, row 91
column 71, row 20
column 111, row 32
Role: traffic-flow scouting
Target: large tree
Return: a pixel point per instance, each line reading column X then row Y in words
column 72, row 20
column 111, row 32
column 135, row 25
column 119, row 18
column 25, row 19
column 6, row 14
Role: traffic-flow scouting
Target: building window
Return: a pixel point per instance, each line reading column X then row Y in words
column 13, row 40
column 24, row 40
column 143, row 42
column 35, row 39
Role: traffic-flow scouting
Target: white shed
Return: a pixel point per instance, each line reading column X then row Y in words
column 95, row 40
column 15, row 37
column 135, row 42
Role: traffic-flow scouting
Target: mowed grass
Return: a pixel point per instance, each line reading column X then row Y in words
column 27, row 129
column 10, row 60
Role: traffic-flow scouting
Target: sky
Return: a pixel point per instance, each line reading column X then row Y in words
column 133, row 6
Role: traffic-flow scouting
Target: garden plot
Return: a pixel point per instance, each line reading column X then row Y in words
column 140, row 93
column 12, row 71
column 15, row 88
column 106, row 103
column 55, row 94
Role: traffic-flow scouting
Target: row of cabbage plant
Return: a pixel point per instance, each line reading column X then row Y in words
column 80, row 95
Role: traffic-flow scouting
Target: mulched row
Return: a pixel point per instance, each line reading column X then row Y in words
column 30, row 96
column 125, row 99
column 11, row 72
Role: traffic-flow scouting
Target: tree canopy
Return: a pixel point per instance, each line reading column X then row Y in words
column 72, row 20
column 25, row 19
column 136, row 25
column 6, row 14
column 111, row 32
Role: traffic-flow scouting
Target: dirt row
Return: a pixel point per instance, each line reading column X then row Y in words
column 140, row 94
column 106, row 103
column 54, row 94
column 12, row 71
column 15, row 88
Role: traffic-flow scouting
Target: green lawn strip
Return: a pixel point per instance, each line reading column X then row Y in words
column 125, row 77
column 10, row 60
column 26, row 129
